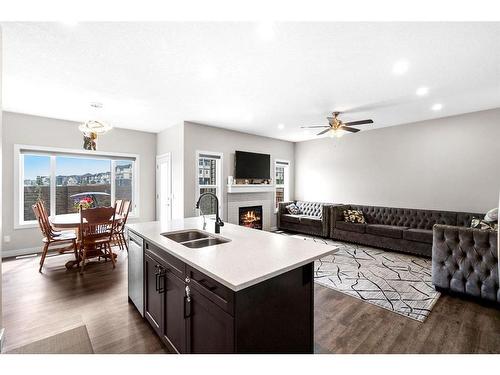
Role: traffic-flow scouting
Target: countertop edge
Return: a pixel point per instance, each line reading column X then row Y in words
column 235, row 288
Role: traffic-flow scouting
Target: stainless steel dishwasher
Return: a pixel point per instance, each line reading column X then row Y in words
column 135, row 271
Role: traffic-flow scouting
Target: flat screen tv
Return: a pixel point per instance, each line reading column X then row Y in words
column 250, row 165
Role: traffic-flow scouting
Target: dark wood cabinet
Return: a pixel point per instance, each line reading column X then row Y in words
column 174, row 326
column 192, row 313
column 209, row 328
column 153, row 299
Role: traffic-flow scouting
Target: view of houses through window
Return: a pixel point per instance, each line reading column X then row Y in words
column 209, row 176
column 99, row 180
column 281, row 181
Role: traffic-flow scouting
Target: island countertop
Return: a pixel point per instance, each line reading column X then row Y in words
column 250, row 257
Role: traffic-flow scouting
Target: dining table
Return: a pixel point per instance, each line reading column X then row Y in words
column 72, row 221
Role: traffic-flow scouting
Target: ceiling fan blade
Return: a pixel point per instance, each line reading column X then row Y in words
column 324, row 131
column 319, row 126
column 362, row 122
column 352, row 130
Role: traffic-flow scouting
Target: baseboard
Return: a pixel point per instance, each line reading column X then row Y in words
column 273, row 229
column 2, row 334
column 19, row 252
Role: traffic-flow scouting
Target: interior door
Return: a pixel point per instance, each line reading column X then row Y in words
column 164, row 188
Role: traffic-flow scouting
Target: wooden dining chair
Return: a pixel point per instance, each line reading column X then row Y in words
column 97, row 226
column 50, row 237
column 119, row 235
column 118, row 206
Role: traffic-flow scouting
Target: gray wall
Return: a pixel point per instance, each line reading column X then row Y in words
column 199, row 137
column 172, row 140
column 41, row 131
column 450, row 163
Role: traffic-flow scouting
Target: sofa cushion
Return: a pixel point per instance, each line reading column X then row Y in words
column 479, row 223
column 310, row 220
column 418, row 235
column 293, row 209
column 310, row 208
column 350, row 227
column 290, row 218
column 385, row 230
column 354, row 216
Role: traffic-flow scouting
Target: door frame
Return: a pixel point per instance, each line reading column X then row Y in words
column 159, row 158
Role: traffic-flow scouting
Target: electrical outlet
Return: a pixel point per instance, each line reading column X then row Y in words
column 6, row 239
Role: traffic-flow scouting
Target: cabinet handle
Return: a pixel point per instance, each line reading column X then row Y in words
column 187, row 303
column 159, row 277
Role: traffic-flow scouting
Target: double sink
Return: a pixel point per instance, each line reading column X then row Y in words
column 194, row 238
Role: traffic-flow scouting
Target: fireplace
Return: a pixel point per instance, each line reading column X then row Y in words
column 250, row 217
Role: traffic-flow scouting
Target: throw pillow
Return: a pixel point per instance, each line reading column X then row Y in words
column 491, row 215
column 354, row 216
column 293, row 209
column 483, row 224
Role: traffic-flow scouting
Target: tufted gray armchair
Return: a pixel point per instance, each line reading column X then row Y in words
column 465, row 261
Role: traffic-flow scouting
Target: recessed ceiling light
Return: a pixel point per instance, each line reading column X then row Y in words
column 422, row 91
column 400, row 67
column 437, row 107
column 281, row 126
column 266, row 30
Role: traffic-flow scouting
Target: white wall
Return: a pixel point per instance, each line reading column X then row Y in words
column 172, row 140
column 449, row 163
column 199, row 137
column 41, row 131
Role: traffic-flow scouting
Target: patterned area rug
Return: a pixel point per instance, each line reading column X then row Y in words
column 398, row 282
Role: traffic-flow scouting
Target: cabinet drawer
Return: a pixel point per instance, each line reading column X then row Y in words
column 213, row 290
column 174, row 265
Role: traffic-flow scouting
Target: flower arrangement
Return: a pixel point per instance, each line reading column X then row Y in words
column 83, row 203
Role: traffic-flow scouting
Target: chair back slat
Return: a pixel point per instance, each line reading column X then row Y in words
column 41, row 224
column 119, row 206
column 125, row 211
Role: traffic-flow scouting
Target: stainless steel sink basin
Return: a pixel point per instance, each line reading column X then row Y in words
column 194, row 239
column 185, row 235
column 196, row 244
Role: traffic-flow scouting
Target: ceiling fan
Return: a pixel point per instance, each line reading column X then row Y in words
column 336, row 126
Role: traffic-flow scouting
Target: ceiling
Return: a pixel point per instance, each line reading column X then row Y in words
column 250, row 77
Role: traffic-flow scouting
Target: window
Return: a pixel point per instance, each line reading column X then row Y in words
column 209, row 179
column 282, row 181
column 62, row 178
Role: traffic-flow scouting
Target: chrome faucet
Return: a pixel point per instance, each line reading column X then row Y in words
column 218, row 222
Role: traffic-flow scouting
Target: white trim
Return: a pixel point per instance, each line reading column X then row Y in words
column 19, row 166
column 286, row 185
column 250, row 188
column 219, row 187
column 165, row 156
column 19, row 252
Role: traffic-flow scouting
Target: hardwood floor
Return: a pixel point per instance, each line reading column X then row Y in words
column 40, row 305
column 344, row 324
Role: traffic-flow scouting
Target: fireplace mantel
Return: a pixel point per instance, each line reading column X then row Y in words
column 249, row 188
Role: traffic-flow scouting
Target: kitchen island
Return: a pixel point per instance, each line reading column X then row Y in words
column 240, row 291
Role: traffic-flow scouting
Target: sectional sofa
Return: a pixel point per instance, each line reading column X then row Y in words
column 464, row 260
column 401, row 229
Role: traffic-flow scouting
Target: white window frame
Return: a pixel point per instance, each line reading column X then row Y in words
column 286, row 185
column 218, row 186
column 20, row 223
